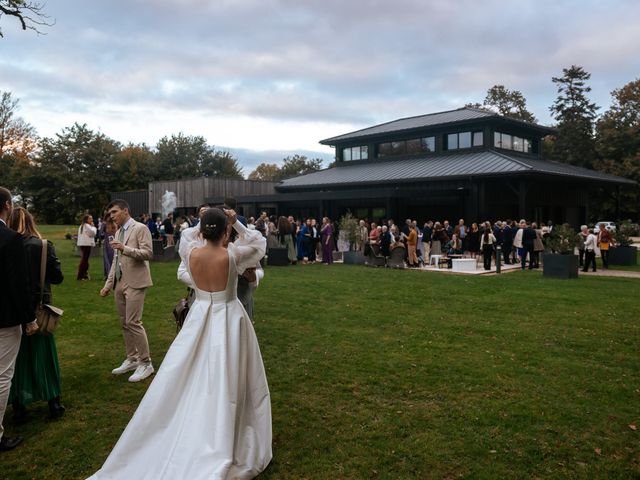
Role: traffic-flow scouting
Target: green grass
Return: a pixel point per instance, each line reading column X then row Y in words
column 384, row 374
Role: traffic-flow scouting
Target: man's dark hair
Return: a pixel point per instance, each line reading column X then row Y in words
column 118, row 203
column 201, row 206
column 5, row 196
column 230, row 202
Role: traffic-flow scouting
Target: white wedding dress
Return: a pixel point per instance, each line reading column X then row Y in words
column 207, row 413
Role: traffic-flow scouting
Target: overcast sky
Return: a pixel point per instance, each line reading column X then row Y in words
column 258, row 75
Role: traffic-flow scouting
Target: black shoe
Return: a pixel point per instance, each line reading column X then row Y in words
column 7, row 443
column 56, row 409
column 586, row 271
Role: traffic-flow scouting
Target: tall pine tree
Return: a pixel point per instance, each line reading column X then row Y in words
column 576, row 115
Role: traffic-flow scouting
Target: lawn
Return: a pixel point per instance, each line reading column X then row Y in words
column 380, row 373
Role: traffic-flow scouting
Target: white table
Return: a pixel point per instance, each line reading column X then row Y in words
column 464, row 265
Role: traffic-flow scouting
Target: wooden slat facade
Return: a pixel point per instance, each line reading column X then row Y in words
column 192, row 192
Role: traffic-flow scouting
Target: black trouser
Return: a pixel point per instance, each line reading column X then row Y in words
column 506, row 252
column 589, row 258
column 581, row 255
column 528, row 249
column 605, row 258
column 487, row 252
column 535, row 259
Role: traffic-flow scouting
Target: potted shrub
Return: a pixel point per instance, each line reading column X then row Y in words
column 562, row 262
column 623, row 253
column 349, row 225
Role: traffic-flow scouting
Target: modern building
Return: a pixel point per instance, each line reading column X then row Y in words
column 465, row 163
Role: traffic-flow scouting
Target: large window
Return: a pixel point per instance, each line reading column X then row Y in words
column 511, row 142
column 412, row 146
column 459, row 140
column 355, row 153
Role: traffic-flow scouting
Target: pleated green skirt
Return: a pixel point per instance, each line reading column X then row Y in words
column 37, row 373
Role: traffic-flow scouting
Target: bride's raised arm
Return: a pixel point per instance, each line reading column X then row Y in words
column 248, row 248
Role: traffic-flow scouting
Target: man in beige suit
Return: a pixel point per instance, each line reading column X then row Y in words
column 129, row 277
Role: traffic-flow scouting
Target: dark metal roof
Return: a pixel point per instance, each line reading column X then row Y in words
column 431, row 120
column 438, row 167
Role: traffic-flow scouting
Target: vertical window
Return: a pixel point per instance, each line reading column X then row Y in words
column 384, row 149
column 517, row 144
column 398, row 148
column 428, row 144
column 452, row 141
column 364, row 152
column 527, row 146
column 346, row 154
column 413, row 146
column 497, row 139
column 478, row 139
column 355, row 153
column 506, row 141
column 464, row 140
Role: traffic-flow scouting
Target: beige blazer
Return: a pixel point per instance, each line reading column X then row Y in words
column 134, row 259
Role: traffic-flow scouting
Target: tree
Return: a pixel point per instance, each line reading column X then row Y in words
column 510, row 103
column 30, row 14
column 269, row 172
column 291, row 167
column 18, row 142
column 618, row 146
column 181, row 156
column 221, row 164
column 74, row 173
column 135, row 166
column 299, row 165
column 576, row 115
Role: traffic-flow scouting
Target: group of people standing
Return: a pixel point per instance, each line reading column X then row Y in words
column 29, row 368
column 306, row 241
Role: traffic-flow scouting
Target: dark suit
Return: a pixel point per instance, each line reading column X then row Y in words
column 16, row 308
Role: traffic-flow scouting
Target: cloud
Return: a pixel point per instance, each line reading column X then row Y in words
column 302, row 71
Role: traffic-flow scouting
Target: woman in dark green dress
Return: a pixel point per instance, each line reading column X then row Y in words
column 37, row 373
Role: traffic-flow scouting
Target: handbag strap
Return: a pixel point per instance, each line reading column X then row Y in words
column 43, row 269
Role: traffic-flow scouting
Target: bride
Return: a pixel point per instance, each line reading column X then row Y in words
column 207, row 414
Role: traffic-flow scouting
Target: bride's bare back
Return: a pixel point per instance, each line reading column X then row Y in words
column 209, row 266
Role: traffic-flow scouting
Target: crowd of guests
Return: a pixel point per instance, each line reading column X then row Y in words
column 520, row 242
column 310, row 241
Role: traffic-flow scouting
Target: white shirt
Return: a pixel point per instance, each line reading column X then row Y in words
column 191, row 236
column 87, row 235
column 590, row 242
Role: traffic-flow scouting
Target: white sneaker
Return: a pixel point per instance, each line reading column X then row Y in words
column 143, row 371
column 126, row 366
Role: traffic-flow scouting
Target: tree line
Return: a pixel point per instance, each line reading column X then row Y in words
column 62, row 177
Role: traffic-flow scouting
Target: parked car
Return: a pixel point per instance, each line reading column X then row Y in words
column 608, row 225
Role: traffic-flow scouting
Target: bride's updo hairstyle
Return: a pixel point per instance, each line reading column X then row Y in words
column 213, row 224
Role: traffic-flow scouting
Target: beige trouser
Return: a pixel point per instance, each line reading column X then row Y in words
column 411, row 255
column 9, row 346
column 130, row 303
column 426, row 251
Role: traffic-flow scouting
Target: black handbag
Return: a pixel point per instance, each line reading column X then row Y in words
column 47, row 316
column 181, row 310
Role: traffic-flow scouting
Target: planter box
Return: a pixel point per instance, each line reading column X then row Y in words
column 278, row 257
column 559, row 266
column 353, row 258
column 623, row 256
